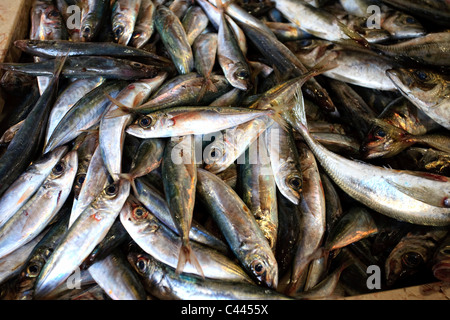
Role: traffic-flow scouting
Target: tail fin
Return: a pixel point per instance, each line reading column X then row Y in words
column 130, row 178
column 187, row 255
column 208, row 85
column 359, row 39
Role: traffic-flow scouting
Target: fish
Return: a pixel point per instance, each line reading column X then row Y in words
column 117, row 277
column 94, row 182
column 85, row 233
column 26, row 185
column 427, row 90
column 53, row 48
column 41, row 208
column 441, row 260
column 412, row 253
column 123, row 18
column 235, row 221
column 179, row 177
column 87, row 67
column 174, row 38
column 84, row 114
column 71, row 94
column 92, row 14
column 157, row 277
column 153, row 237
column 156, row 203
column 312, row 217
column 112, row 130
column 179, row 121
column 28, row 140
column 194, row 22
column 258, row 191
column 41, row 252
column 384, row 189
column 144, row 25
column 230, row 56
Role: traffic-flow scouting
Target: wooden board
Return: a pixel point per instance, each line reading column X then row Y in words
column 431, row 291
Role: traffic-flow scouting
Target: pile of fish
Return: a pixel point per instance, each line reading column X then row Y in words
column 208, row 149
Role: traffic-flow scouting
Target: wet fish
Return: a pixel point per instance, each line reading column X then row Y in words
column 91, row 18
column 144, row 26
column 86, row 113
column 41, row 208
column 384, row 190
column 441, row 260
column 174, row 38
column 156, row 203
column 117, row 278
column 194, row 22
column 25, row 186
column 112, row 130
column 427, row 90
column 412, row 253
column 82, row 237
column 157, row 276
column 235, row 222
column 160, row 242
column 123, row 18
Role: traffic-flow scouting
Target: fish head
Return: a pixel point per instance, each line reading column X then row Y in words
column 51, row 24
column 149, row 125
column 264, row 268
column 403, row 26
column 135, row 215
column 384, row 140
column 240, row 76
column 404, row 261
column 422, row 85
column 122, row 31
column 311, row 51
column 441, row 261
column 64, row 171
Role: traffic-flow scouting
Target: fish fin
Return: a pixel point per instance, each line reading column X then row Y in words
column 121, row 110
column 359, row 39
column 207, row 85
column 187, row 255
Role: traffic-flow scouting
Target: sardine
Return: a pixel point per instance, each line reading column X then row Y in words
column 82, row 237
column 235, row 222
column 144, row 26
column 123, row 18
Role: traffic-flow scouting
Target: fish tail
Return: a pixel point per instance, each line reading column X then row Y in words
column 359, row 39
column 59, row 65
column 130, row 178
column 207, row 85
column 187, row 255
column 121, row 110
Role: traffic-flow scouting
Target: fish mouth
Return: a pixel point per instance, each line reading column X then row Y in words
column 441, row 270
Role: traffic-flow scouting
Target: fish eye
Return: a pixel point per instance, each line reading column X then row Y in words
column 295, row 182
column 53, row 14
column 33, row 270
column 141, row 264
column 140, row 212
column 410, row 20
column 412, row 259
column 111, row 190
column 118, row 32
column 242, row 74
column 380, row 133
column 145, row 122
column 258, row 267
column 58, row 169
column 87, row 30
column 305, row 42
column 446, row 250
column 421, row 75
